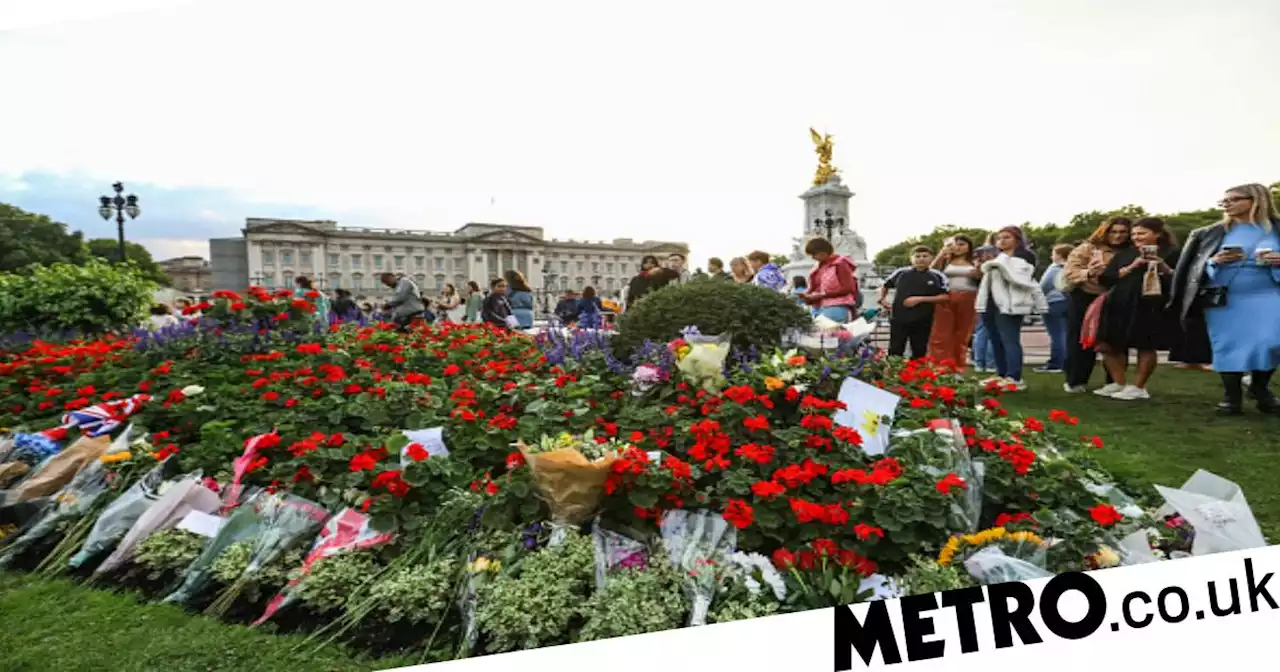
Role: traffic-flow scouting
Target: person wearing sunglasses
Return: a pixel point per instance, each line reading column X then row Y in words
column 1232, row 270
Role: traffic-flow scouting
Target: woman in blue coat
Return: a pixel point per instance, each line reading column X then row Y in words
column 1232, row 271
column 520, row 296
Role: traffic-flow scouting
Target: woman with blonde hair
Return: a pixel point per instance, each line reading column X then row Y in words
column 1232, row 269
column 740, row 270
column 1084, row 266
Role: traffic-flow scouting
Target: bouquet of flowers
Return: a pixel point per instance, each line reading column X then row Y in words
column 187, row 495
column 615, row 551
column 996, row 555
column 570, row 473
column 701, row 358
column 242, row 524
column 119, row 517
column 286, row 522
column 344, row 533
column 698, row 543
column 73, row 502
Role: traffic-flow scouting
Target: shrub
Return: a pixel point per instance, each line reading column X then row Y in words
column 754, row 315
column 91, row 298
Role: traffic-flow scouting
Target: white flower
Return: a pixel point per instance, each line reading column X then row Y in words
column 192, row 390
column 752, row 562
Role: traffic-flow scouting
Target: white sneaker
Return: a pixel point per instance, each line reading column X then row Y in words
column 994, row 379
column 1015, row 385
column 1108, row 390
column 1074, row 389
column 1131, row 393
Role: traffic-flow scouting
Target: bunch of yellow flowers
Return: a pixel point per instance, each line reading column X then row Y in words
column 980, row 539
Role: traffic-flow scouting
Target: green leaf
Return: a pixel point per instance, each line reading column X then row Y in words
column 645, row 499
column 834, row 588
column 383, row 522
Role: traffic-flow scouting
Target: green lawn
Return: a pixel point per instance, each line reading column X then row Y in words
column 56, row 625
column 59, row 626
column 1163, row 440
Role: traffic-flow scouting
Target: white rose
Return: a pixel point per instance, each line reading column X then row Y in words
column 192, row 390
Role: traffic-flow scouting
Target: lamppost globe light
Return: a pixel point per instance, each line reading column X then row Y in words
column 105, row 211
column 131, row 207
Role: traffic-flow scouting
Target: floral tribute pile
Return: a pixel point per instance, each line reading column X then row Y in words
column 460, row 490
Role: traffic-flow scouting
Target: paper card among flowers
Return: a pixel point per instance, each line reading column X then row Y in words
column 870, row 410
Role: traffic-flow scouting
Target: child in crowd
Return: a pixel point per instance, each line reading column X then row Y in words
column 917, row 288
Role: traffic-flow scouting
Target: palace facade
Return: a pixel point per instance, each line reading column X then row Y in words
column 275, row 251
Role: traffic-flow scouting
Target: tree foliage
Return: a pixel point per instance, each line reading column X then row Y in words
column 90, row 298
column 109, row 249
column 755, row 316
column 28, row 238
column 1044, row 236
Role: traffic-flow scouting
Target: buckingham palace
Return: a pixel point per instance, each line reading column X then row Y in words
column 272, row 252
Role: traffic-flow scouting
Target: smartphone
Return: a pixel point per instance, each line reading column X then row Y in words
column 1149, row 250
column 1233, row 249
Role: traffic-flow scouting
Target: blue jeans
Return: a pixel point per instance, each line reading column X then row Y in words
column 984, row 354
column 1005, row 332
column 1055, row 322
column 840, row 314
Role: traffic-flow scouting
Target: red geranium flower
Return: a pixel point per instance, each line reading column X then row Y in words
column 1105, row 515
column 951, row 481
column 739, row 514
column 759, row 423
column 865, row 531
column 416, row 452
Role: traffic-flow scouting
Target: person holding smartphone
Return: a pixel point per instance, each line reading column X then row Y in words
column 1084, row 265
column 1134, row 316
column 1232, row 270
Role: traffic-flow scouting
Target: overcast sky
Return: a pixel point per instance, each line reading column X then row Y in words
column 668, row 120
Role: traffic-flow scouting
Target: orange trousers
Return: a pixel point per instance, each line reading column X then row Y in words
column 953, row 323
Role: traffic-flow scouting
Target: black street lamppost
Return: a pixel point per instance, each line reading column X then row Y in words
column 830, row 224
column 119, row 206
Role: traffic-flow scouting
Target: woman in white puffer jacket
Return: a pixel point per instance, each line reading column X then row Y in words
column 1007, row 295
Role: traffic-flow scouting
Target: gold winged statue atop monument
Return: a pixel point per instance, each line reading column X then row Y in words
column 822, row 146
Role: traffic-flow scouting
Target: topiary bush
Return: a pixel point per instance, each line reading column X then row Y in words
column 753, row 315
column 90, row 298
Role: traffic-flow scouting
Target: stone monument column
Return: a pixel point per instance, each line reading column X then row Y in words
column 833, row 197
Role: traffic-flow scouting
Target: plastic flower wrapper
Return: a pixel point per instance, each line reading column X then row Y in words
column 701, row 358
column 480, row 571
column 346, row 532
column 243, row 523
column 991, row 565
column 698, row 543
column 570, row 473
column 1221, row 525
column 57, row 471
column 646, row 377
column 187, row 495
column 1116, row 497
column 120, row 515
column 16, row 519
column 32, row 449
column 287, row 521
column 941, row 448
column 614, row 551
column 72, row 503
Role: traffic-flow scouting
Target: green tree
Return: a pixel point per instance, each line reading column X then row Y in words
column 900, row 254
column 781, row 260
column 109, row 249
column 28, row 238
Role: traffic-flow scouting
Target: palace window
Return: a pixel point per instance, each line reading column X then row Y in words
column 377, row 261
column 419, row 263
column 268, row 258
column 304, row 259
column 399, row 262
column 286, row 257
column 356, row 260
column 333, row 260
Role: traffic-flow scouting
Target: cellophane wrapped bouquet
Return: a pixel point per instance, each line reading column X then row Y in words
column 698, row 543
column 701, row 358
column 570, row 472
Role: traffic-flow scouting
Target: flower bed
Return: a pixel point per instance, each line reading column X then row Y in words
column 460, row 490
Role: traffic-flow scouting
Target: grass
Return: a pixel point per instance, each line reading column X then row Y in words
column 1163, row 440
column 57, row 625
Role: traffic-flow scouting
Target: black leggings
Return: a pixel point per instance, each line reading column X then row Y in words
column 1080, row 362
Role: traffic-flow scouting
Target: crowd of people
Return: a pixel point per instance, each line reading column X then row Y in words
column 1212, row 303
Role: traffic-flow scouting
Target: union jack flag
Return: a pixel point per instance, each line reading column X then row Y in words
column 104, row 418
